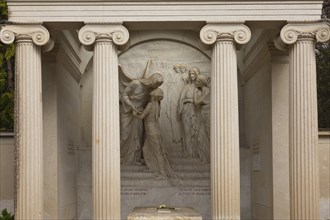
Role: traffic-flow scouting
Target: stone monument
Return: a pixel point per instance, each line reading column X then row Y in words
column 164, row 93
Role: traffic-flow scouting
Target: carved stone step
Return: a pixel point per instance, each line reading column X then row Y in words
column 176, row 167
column 191, row 167
column 135, row 182
column 137, row 174
column 180, row 160
column 148, row 174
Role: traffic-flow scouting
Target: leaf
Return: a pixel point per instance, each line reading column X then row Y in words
column 4, row 212
column 1, row 60
column 2, row 83
column 3, row 10
column 10, row 52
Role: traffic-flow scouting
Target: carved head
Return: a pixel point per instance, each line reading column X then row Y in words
column 193, row 72
column 201, row 80
column 155, row 80
column 183, row 68
column 157, row 94
column 177, row 68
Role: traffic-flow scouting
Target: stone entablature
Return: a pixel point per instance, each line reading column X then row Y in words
column 150, row 11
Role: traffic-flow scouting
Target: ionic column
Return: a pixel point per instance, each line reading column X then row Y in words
column 304, row 177
column 28, row 117
column 106, row 130
column 225, row 172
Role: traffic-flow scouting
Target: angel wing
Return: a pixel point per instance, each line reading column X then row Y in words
column 146, row 70
column 124, row 80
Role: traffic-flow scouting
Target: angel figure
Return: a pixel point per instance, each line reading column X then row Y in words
column 134, row 98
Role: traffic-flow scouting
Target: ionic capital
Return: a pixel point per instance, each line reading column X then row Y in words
column 35, row 33
column 90, row 33
column 210, row 33
column 290, row 33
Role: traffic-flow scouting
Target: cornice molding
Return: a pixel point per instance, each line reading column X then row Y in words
column 255, row 57
column 212, row 32
column 109, row 1
column 69, row 56
column 37, row 33
column 162, row 11
column 72, row 68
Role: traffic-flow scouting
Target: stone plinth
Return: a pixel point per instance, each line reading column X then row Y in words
column 152, row 213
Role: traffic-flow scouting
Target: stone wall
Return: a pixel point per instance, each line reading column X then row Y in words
column 50, row 121
column 324, row 153
column 84, row 152
column 7, row 167
column 68, row 108
column 257, row 115
column 280, row 138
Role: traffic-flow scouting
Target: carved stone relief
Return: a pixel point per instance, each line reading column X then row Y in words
column 158, row 131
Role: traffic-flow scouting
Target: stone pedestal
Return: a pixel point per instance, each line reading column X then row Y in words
column 106, row 130
column 304, row 175
column 28, row 117
column 225, row 172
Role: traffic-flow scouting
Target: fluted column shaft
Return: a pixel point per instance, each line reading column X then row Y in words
column 304, row 174
column 225, row 178
column 303, row 131
column 106, row 130
column 225, row 172
column 28, row 131
column 106, row 136
column 28, row 119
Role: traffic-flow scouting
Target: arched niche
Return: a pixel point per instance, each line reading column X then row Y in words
column 162, row 50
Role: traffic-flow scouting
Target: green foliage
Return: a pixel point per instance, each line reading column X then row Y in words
column 323, row 75
column 6, row 79
column 10, row 52
column 5, row 215
column 323, row 84
column 326, row 9
column 3, row 10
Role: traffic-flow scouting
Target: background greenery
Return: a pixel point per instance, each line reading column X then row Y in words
column 323, row 75
column 5, row 215
column 7, row 76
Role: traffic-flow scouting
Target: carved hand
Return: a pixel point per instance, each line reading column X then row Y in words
column 135, row 111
